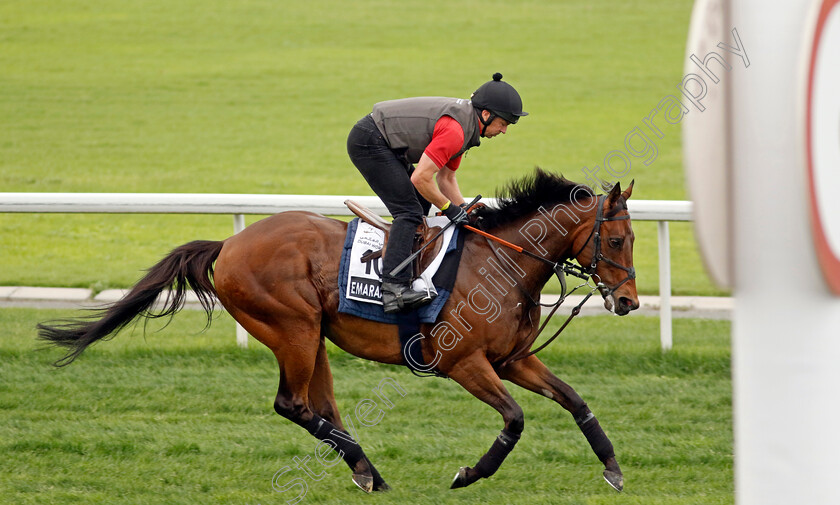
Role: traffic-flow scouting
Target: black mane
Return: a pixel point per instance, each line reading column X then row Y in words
column 524, row 196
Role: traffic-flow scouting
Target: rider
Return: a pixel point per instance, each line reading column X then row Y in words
column 433, row 133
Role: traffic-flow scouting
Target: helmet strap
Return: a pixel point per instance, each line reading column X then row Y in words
column 485, row 124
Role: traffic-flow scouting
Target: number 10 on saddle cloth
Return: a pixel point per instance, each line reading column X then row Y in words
column 364, row 277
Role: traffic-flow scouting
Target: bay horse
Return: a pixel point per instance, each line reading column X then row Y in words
column 278, row 278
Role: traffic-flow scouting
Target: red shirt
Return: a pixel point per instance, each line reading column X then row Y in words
column 447, row 140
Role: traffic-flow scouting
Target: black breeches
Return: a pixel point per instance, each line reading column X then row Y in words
column 389, row 176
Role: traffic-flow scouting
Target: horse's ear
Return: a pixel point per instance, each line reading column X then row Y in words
column 629, row 190
column 614, row 194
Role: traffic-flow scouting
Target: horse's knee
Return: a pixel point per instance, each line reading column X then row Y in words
column 291, row 408
column 516, row 422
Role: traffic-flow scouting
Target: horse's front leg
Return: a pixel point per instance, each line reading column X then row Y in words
column 531, row 374
column 476, row 375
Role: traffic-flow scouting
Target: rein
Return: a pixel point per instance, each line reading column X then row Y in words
column 560, row 269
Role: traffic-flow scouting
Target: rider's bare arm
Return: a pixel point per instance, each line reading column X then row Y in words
column 448, row 185
column 423, row 179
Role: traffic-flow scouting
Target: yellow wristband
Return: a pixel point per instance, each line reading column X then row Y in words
column 446, row 205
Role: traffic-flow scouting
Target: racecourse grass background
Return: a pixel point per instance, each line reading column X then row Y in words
column 186, row 417
column 257, row 97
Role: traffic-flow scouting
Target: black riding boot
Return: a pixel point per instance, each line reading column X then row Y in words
column 399, row 297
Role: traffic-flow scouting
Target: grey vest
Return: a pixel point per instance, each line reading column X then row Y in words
column 410, row 122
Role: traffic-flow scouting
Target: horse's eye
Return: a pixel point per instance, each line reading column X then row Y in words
column 616, row 243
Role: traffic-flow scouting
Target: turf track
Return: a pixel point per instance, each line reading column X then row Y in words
column 181, row 417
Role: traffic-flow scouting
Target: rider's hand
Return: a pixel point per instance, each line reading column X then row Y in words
column 457, row 215
column 471, row 211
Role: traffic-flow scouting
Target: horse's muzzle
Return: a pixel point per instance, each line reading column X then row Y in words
column 625, row 305
column 622, row 306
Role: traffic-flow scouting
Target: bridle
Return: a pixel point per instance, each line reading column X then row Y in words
column 598, row 255
column 563, row 267
column 560, row 269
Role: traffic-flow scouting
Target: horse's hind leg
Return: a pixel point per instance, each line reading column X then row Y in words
column 295, row 339
column 322, row 402
column 531, row 374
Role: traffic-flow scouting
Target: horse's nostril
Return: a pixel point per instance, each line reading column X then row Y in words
column 626, row 302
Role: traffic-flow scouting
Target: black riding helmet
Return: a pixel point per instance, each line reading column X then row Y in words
column 500, row 99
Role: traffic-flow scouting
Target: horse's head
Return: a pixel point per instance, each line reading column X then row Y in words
column 606, row 250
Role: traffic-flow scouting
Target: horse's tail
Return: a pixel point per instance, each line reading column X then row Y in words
column 191, row 264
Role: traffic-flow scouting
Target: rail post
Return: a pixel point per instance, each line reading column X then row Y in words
column 241, row 334
column 665, row 327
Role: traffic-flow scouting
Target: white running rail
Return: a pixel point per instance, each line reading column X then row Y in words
column 661, row 211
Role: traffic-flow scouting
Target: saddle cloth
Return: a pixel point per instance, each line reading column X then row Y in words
column 359, row 281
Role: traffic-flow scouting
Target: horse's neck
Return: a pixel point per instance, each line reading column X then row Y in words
column 549, row 233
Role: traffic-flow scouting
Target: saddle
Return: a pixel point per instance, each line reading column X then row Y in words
column 423, row 234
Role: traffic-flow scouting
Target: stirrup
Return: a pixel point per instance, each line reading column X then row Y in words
column 403, row 298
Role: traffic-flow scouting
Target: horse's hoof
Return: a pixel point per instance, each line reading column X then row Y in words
column 365, row 482
column 460, row 479
column 382, row 487
column 464, row 477
column 614, row 479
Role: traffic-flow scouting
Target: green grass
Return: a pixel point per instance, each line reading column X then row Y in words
column 185, row 417
column 257, row 97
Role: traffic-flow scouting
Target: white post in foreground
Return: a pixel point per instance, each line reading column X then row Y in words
column 763, row 154
column 665, row 327
column 241, row 334
column 786, row 338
